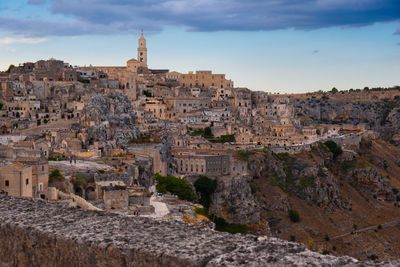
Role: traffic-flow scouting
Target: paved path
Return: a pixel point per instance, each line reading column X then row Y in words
column 160, row 208
column 384, row 225
column 80, row 164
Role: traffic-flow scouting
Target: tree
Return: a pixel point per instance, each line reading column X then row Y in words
column 9, row 68
column 207, row 132
column 334, row 148
column 334, row 90
column 56, row 175
column 147, row 93
column 294, row 215
column 206, row 187
column 174, row 185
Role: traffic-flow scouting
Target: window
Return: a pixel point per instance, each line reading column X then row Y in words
column 42, row 168
column 41, row 187
column 7, row 183
column 27, row 181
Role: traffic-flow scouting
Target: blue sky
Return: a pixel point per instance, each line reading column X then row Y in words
column 283, row 46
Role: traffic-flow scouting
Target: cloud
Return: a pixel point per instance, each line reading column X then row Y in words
column 36, row 2
column 21, row 40
column 397, row 32
column 315, row 51
column 125, row 16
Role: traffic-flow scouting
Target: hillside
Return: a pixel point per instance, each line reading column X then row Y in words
column 336, row 198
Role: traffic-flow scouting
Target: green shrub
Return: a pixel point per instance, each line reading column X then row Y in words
column 233, row 228
column 334, row 148
column 147, row 93
column 373, row 257
column 223, row 139
column 294, row 215
column 202, row 211
column 284, row 156
column 208, row 133
column 293, row 238
column 56, row 175
column 243, row 154
column 325, row 252
column 347, row 165
column 197, row 132
column 395, row 190
column 174, row 185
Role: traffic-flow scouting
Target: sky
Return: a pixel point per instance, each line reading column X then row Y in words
column 286, row 46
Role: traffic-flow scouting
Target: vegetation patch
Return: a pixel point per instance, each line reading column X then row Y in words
column 206, row 187
column 56, row 175
column 146, row 139
column 57, row 158
column 307, row 182
column 233, row 228
column 294, row 215
column 334, row 148
column 223, row 139
column 347, row 165
column 174, row 185
column 82, row 180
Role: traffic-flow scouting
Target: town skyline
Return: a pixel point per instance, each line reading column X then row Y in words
column 354, row 53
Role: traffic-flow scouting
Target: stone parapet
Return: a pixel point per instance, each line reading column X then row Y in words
column 38, row 233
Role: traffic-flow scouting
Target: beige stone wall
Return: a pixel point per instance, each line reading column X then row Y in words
column 116, row 199
column 158, row 109
column 16, row 182
column 159, row 166
column 209, row 165
column 205, row 80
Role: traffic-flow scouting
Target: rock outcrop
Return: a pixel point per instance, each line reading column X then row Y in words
column 112, row 117
column 313, row 183
column 234, row 201
column 370, row 181
column 37, row 233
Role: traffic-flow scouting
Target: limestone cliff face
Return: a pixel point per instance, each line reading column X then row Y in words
column 113, row 118
column 380, row 116
column 234, row 201
column 370, row 181
column 312, row 183
column 323, row 110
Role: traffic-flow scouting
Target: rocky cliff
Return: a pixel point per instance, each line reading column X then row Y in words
column 113, row 118
column 334, row 197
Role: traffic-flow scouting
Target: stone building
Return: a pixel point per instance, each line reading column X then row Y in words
column 204, row 78
column 40, row 174
column 127, row 76
column 203, row 164
column 16, row 179
column 142, row 52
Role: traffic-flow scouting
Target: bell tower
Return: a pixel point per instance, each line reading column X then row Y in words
column 142, row 51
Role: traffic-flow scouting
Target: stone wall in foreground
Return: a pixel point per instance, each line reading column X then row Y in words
column 37, row 233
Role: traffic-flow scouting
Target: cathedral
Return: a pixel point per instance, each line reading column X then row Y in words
column 127, row 75
column 140, row 63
